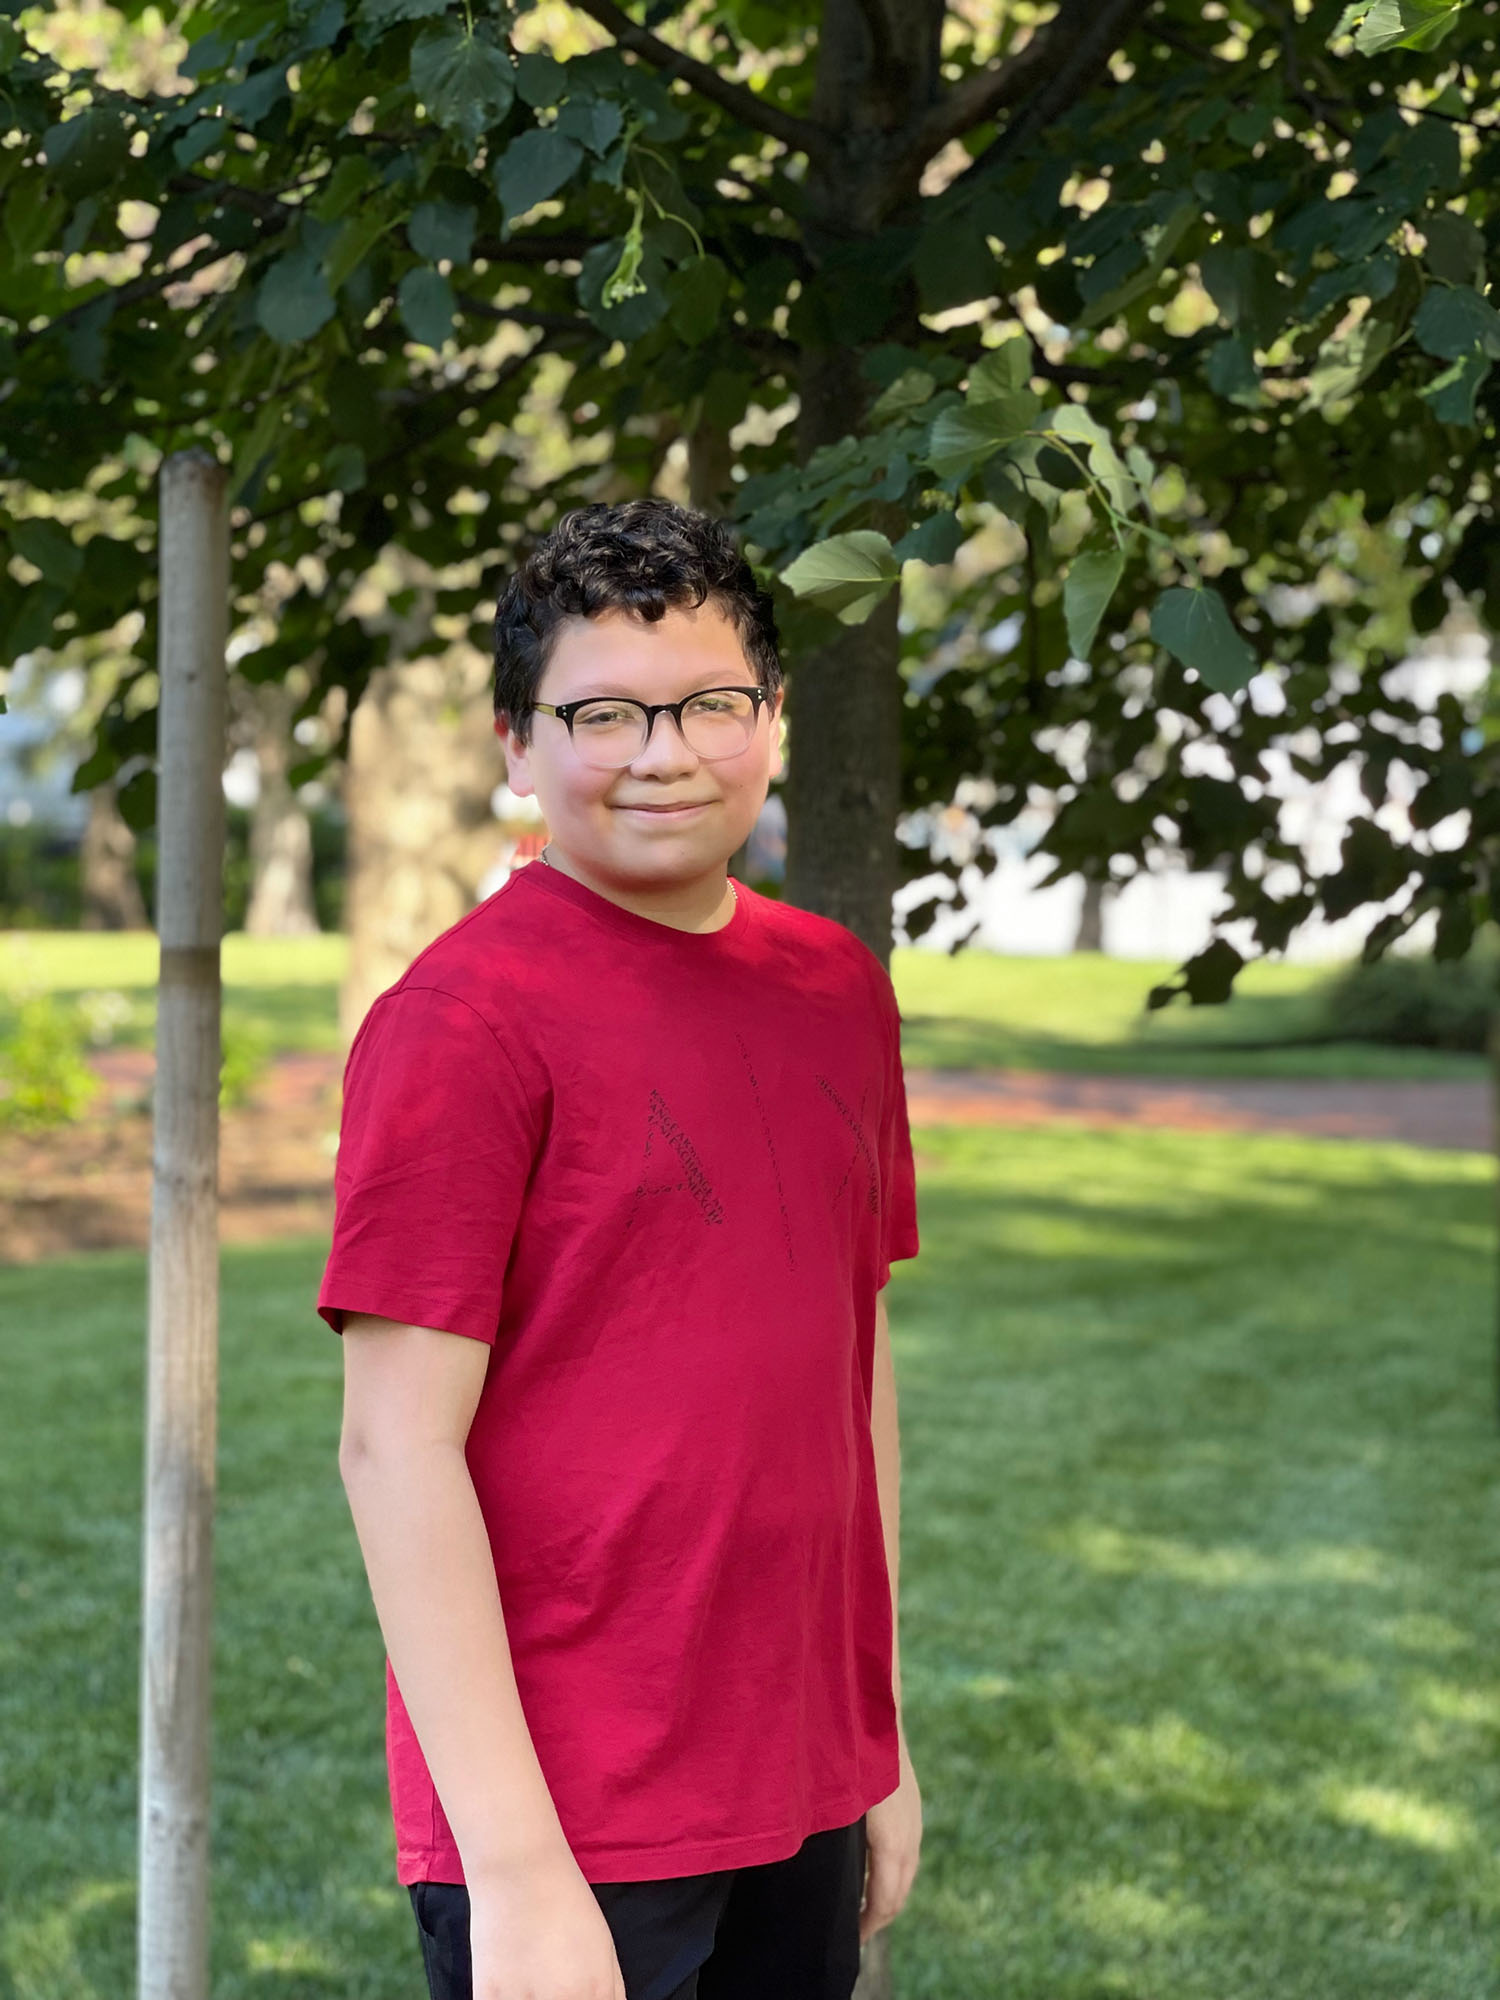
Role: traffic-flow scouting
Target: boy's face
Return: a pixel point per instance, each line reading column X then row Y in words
column 623, row 826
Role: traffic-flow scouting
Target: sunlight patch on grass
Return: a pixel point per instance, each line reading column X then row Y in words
column 1166, row 1758
column 1426, row 1632
column 288, row 1953
column 41, row 1945
column 1399, row 1815
column 1112, row 1551
column 1125, row 1913
column 1478, row 1708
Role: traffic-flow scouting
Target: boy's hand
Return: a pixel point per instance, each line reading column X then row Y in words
column 893, row 1831
column 537, row 1932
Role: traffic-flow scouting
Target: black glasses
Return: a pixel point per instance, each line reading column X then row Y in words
column 611, row 731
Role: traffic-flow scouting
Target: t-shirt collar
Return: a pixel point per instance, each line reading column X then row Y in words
column 628, row 923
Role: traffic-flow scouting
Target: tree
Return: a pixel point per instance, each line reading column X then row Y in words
column 1175, row 313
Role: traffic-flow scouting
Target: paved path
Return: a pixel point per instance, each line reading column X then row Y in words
column 1452, row 1115
column 1445, row 1114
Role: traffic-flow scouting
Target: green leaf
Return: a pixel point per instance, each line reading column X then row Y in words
column 466, row 83
column 442, row 229
column 910, row 390
column 255, row 97
column 343, row 188
column 953, row 264
column 87, row 151
column 1451, row 396
column 1195, row 627
column 847, row 574
column 1092, row 579
column 51, row 548
column 136, row 800
column 1453, row 320
column 1378, row 25
column 935, row 540
column 540, row 81
column 534, row 167
column 696, row 291
column 1243, row 285
column 1072, row 420
column 294, row 301
column 1455, row 248
column 964, row 438
column 1230, row 370
column 199, row 140
column 1346, row 360
column 595, row 125
column 426, row 302
column 1003, row 371
column 251, row 455
column 1160, row 241
column 354, row 242
column 1108, row 468
column 344, row 468
column 376, row 16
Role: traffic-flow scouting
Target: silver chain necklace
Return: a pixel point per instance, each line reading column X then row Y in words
column 733, row 898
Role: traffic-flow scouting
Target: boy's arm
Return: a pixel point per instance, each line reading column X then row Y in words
column 886, row 1439
column 409, row 1398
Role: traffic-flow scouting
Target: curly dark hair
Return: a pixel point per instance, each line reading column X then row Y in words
column 646, row 556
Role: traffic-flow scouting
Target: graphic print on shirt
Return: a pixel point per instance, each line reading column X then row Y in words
column 765, row 1133
column 670, row 1164
column 862, row 1151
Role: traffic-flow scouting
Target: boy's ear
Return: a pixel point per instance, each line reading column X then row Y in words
column 517, row 773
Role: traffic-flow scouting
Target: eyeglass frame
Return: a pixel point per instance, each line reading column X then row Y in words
column 565, row 711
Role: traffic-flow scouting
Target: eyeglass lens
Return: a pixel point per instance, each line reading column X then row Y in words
column 717, row 723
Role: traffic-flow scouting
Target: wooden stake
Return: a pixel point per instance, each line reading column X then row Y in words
column 183, row 1287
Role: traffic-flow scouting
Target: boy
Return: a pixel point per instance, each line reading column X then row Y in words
column 624, row 1165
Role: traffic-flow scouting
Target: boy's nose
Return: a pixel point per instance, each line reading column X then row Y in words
column 665, row 748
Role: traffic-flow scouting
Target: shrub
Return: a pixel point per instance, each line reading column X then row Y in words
column 245, row 1058
column 1416, row 1002
column 44, row 1077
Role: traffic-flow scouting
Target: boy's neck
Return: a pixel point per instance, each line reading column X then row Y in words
column 706, row 903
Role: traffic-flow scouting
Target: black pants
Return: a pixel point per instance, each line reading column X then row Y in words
column 787, row 1930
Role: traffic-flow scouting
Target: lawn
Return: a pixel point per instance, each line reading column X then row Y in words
column 975, row 1010
column 1201, row 1624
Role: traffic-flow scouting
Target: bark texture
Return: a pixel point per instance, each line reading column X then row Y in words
column 877, row 76
column 423, row 765
column 112, row 899
column 281, row 894
column 1090, row 932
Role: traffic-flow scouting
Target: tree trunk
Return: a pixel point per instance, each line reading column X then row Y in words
column 1090, row 934
column 112, row 899
column 423, row 765
column 281, row 895
column 843, row 786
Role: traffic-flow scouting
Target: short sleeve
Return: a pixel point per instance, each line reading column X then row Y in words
column 898, row 1175
column 436, row 1146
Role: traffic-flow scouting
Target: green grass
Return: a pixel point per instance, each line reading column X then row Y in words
column 977, row 1010
column 283, row 988
column 1201, row 1490
column 980, row 1010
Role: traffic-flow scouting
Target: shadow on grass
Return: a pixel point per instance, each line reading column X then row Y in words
column 1201, row 1511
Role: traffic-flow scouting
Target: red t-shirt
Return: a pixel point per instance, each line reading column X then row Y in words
column 664, row 1173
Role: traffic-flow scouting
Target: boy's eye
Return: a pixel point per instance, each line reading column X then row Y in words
column 604, row 715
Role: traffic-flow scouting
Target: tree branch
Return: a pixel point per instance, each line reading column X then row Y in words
column 1051, row 73
column 800, row 134
column 878, row 25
